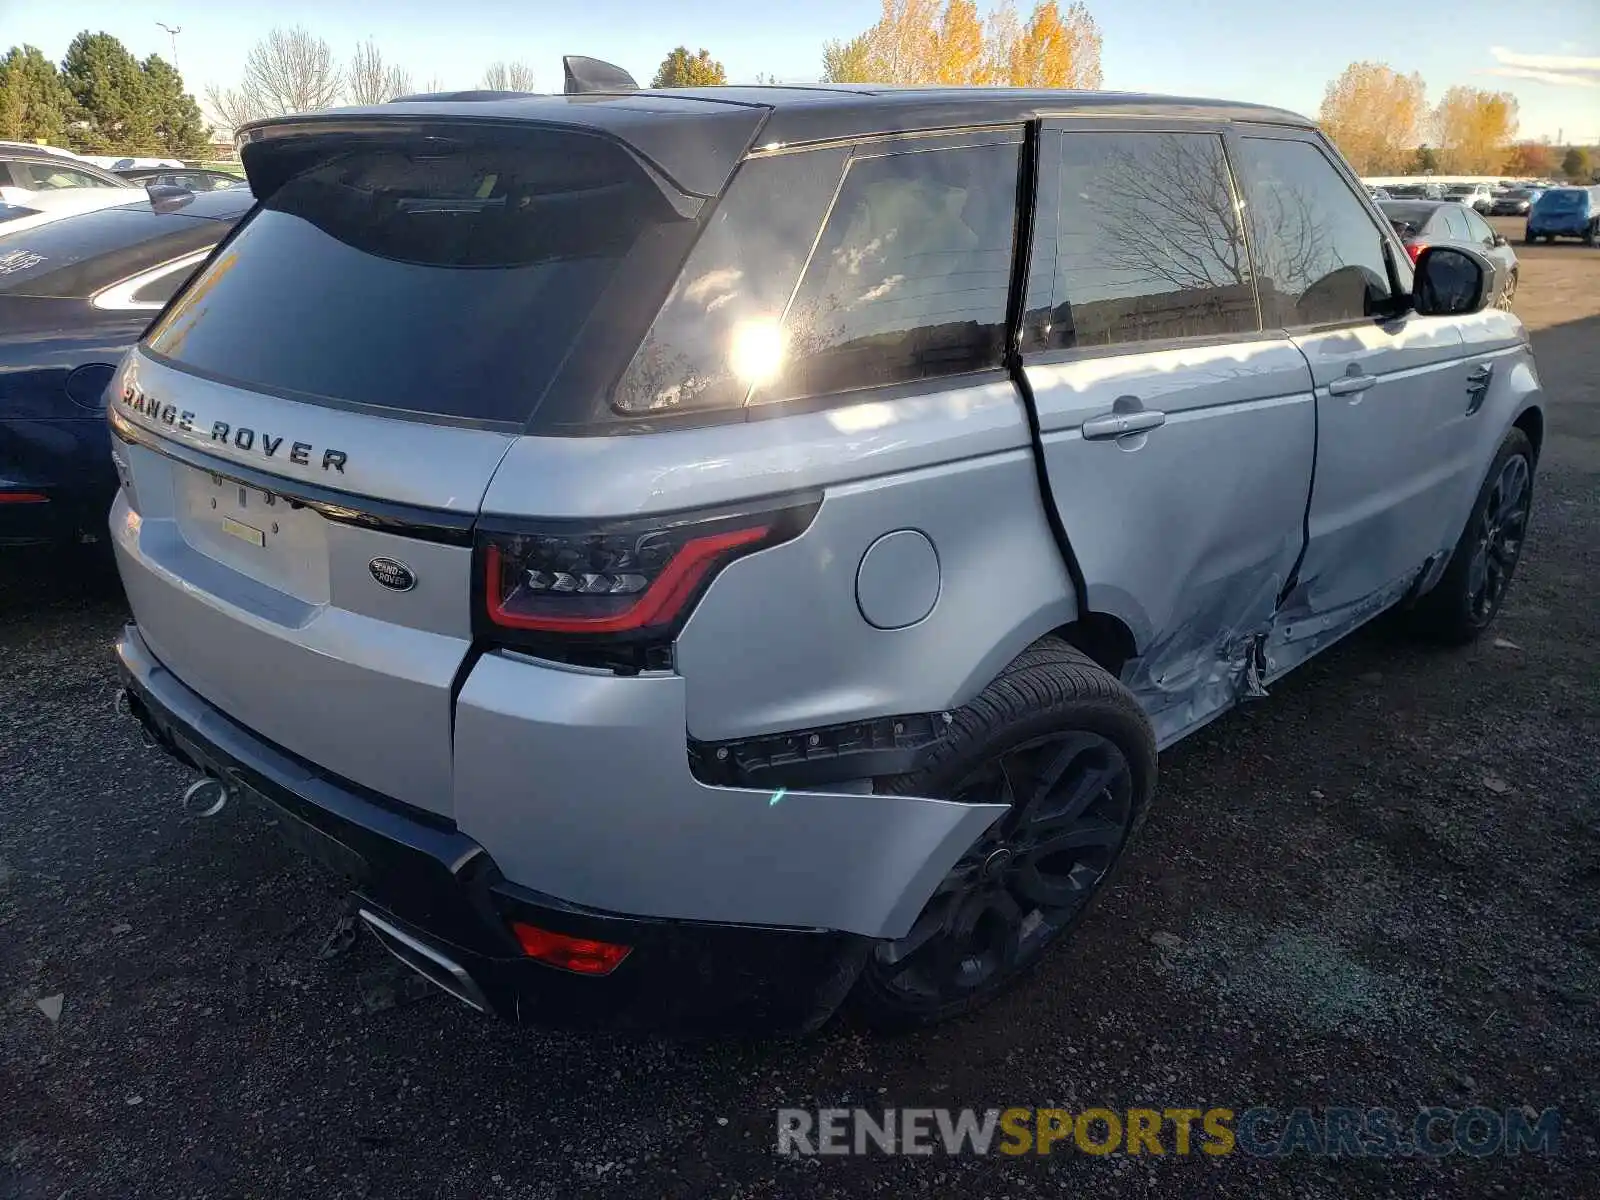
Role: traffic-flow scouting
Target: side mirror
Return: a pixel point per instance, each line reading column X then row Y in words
column 167, row 197
column 1452, row 281
column 1500, row 239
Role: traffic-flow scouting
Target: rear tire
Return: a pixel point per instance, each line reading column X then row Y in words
column 1474, row 585
column 1073, row 754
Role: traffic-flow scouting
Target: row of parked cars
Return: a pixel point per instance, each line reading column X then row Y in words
column 1553, row 210
column 708, row 557
column 87, row 256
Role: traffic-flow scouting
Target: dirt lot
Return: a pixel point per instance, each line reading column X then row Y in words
column 1377, row 888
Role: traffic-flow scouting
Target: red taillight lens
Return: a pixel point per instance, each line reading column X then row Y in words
column 584, row 956
column 1415, row 248
column 634, row 577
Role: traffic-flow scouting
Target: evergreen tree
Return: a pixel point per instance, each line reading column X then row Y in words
column 35, row 105
column 110, row 89
column 180, row 131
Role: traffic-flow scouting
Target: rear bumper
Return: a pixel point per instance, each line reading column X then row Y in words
column 437, row 899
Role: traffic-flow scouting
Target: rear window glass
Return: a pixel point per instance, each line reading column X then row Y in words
column 448, row 276
column 1564, row 198
column 1407, row 219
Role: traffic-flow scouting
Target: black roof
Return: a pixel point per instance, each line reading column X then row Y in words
column 697, row 135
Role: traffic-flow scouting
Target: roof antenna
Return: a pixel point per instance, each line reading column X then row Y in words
column 591, row 75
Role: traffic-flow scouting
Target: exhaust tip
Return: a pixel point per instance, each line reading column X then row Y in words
column 433, row 965
column 205, row 797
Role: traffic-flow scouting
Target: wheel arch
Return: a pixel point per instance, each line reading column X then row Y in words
column 1531, row 421
column 1104, row 637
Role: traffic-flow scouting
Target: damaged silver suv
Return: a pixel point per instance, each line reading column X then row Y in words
column 701, row 558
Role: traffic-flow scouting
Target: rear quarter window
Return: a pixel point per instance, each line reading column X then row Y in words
column 808, row 285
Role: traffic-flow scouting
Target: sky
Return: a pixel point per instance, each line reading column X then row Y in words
column 1546, row 52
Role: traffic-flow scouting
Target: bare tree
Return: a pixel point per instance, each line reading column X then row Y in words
column 293, row 71
column 509, row 77
column 288, row 71
column 233, row 107
column 371, row 80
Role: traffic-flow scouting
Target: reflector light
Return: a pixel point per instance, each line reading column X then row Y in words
column 583, row 956
column 1415, row 248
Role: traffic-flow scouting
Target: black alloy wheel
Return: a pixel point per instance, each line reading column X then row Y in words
column 1475, row 581
column 1502, row 525
column 1027, row 878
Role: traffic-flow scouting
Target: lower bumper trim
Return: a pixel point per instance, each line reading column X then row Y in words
column 439, row 903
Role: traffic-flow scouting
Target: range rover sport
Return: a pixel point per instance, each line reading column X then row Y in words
column 701, row 558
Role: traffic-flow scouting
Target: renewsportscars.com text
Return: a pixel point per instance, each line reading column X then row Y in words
column 1261, row 1132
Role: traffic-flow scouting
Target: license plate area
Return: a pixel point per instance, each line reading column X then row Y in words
column 272, row 539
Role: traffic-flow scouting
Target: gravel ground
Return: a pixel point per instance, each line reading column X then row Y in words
column 1376, row 888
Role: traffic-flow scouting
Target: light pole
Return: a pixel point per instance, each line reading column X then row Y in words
column 172, row 32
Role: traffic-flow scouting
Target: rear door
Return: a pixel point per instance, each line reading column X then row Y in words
column 1388, row 390
column 308, row 430
column 1177, row 437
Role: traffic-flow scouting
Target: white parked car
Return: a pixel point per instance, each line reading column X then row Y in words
column 1476, row 196
column 21, row 208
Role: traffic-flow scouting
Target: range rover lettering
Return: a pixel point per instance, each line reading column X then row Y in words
column 818, row 508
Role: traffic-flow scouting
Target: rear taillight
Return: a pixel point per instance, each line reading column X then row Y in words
column 1415, row 248
column 633, row 582
column 583, row 956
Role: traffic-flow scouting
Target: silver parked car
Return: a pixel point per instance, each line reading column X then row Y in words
column 1424, row 223
column 704, row 557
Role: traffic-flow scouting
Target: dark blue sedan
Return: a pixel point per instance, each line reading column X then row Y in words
column 74, row 294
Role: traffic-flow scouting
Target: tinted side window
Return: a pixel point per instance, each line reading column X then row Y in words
column 1318, row 254
column 1148, row 243
column 1455, row 222
column 49, row 177
column 910, row 277
column 1478, row 229
column 739, row 276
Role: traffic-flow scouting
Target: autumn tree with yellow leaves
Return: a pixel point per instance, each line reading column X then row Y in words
column 1472, row 129
column 1375, row 116
column 922, row 41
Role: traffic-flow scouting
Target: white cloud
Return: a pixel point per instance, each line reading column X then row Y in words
column 1561, row 70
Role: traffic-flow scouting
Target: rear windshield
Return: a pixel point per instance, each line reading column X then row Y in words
column 1562, row 198
column 447, row 275
column 1406, row 218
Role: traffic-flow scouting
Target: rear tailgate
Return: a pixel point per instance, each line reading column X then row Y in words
column 306, row 434
column 252, row 580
